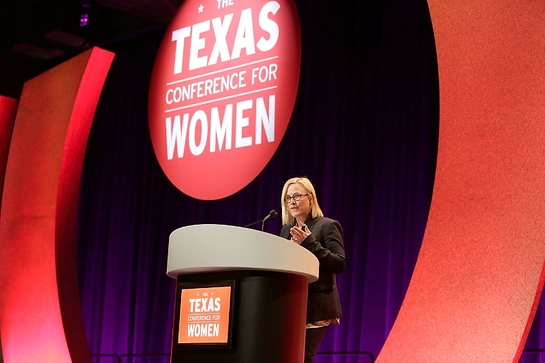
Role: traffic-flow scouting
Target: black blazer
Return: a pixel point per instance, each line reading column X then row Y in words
column 326, row 243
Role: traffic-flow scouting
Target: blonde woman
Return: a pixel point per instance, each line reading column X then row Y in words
column 304, row 223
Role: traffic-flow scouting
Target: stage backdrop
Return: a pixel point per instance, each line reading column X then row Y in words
column 364, row 130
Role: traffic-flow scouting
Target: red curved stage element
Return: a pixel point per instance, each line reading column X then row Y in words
column 40, row 314
column 479, row 275
column 8, row 107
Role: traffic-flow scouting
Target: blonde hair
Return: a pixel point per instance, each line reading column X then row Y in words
column 315, row 210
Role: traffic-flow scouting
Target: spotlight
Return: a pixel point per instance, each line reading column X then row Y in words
column 83, row 19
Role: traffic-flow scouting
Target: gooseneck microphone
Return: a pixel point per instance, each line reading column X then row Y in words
column 271, row 214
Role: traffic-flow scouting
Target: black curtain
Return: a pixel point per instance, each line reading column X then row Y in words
column 364, row 129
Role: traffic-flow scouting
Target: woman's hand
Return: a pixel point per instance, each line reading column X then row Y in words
column 298, row 234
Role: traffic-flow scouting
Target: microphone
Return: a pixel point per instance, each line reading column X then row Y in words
column 271, row 214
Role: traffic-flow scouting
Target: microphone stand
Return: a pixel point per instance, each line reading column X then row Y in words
column 263, row 222
column 272, row 213
column 253, row 223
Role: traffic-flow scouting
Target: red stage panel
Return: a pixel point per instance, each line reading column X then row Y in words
column 8, row 106
column 479, row 275
column 40, row 311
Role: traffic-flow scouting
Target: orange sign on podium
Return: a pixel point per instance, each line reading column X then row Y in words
column 204, row 315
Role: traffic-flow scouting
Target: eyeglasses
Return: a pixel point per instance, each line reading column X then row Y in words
column 295, row 198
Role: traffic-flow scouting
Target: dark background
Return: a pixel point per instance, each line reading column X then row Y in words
column 364, row 129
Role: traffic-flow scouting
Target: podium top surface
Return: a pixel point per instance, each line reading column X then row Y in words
column 215, row 248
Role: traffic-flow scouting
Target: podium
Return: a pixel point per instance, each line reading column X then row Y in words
column 241, row 295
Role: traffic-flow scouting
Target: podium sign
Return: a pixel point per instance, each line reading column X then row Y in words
column 204, row 315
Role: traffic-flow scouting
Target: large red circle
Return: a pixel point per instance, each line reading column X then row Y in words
column 222, row 92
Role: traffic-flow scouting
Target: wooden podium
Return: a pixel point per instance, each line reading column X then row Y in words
column 241, row 295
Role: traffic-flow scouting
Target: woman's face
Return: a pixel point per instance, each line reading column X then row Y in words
column 301, row 208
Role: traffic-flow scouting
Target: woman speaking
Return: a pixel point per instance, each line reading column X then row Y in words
column 304, row 223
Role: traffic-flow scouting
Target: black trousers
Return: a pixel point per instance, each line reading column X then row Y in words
column 313, row 339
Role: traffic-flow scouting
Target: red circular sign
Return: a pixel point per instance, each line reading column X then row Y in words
column 222, row 92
